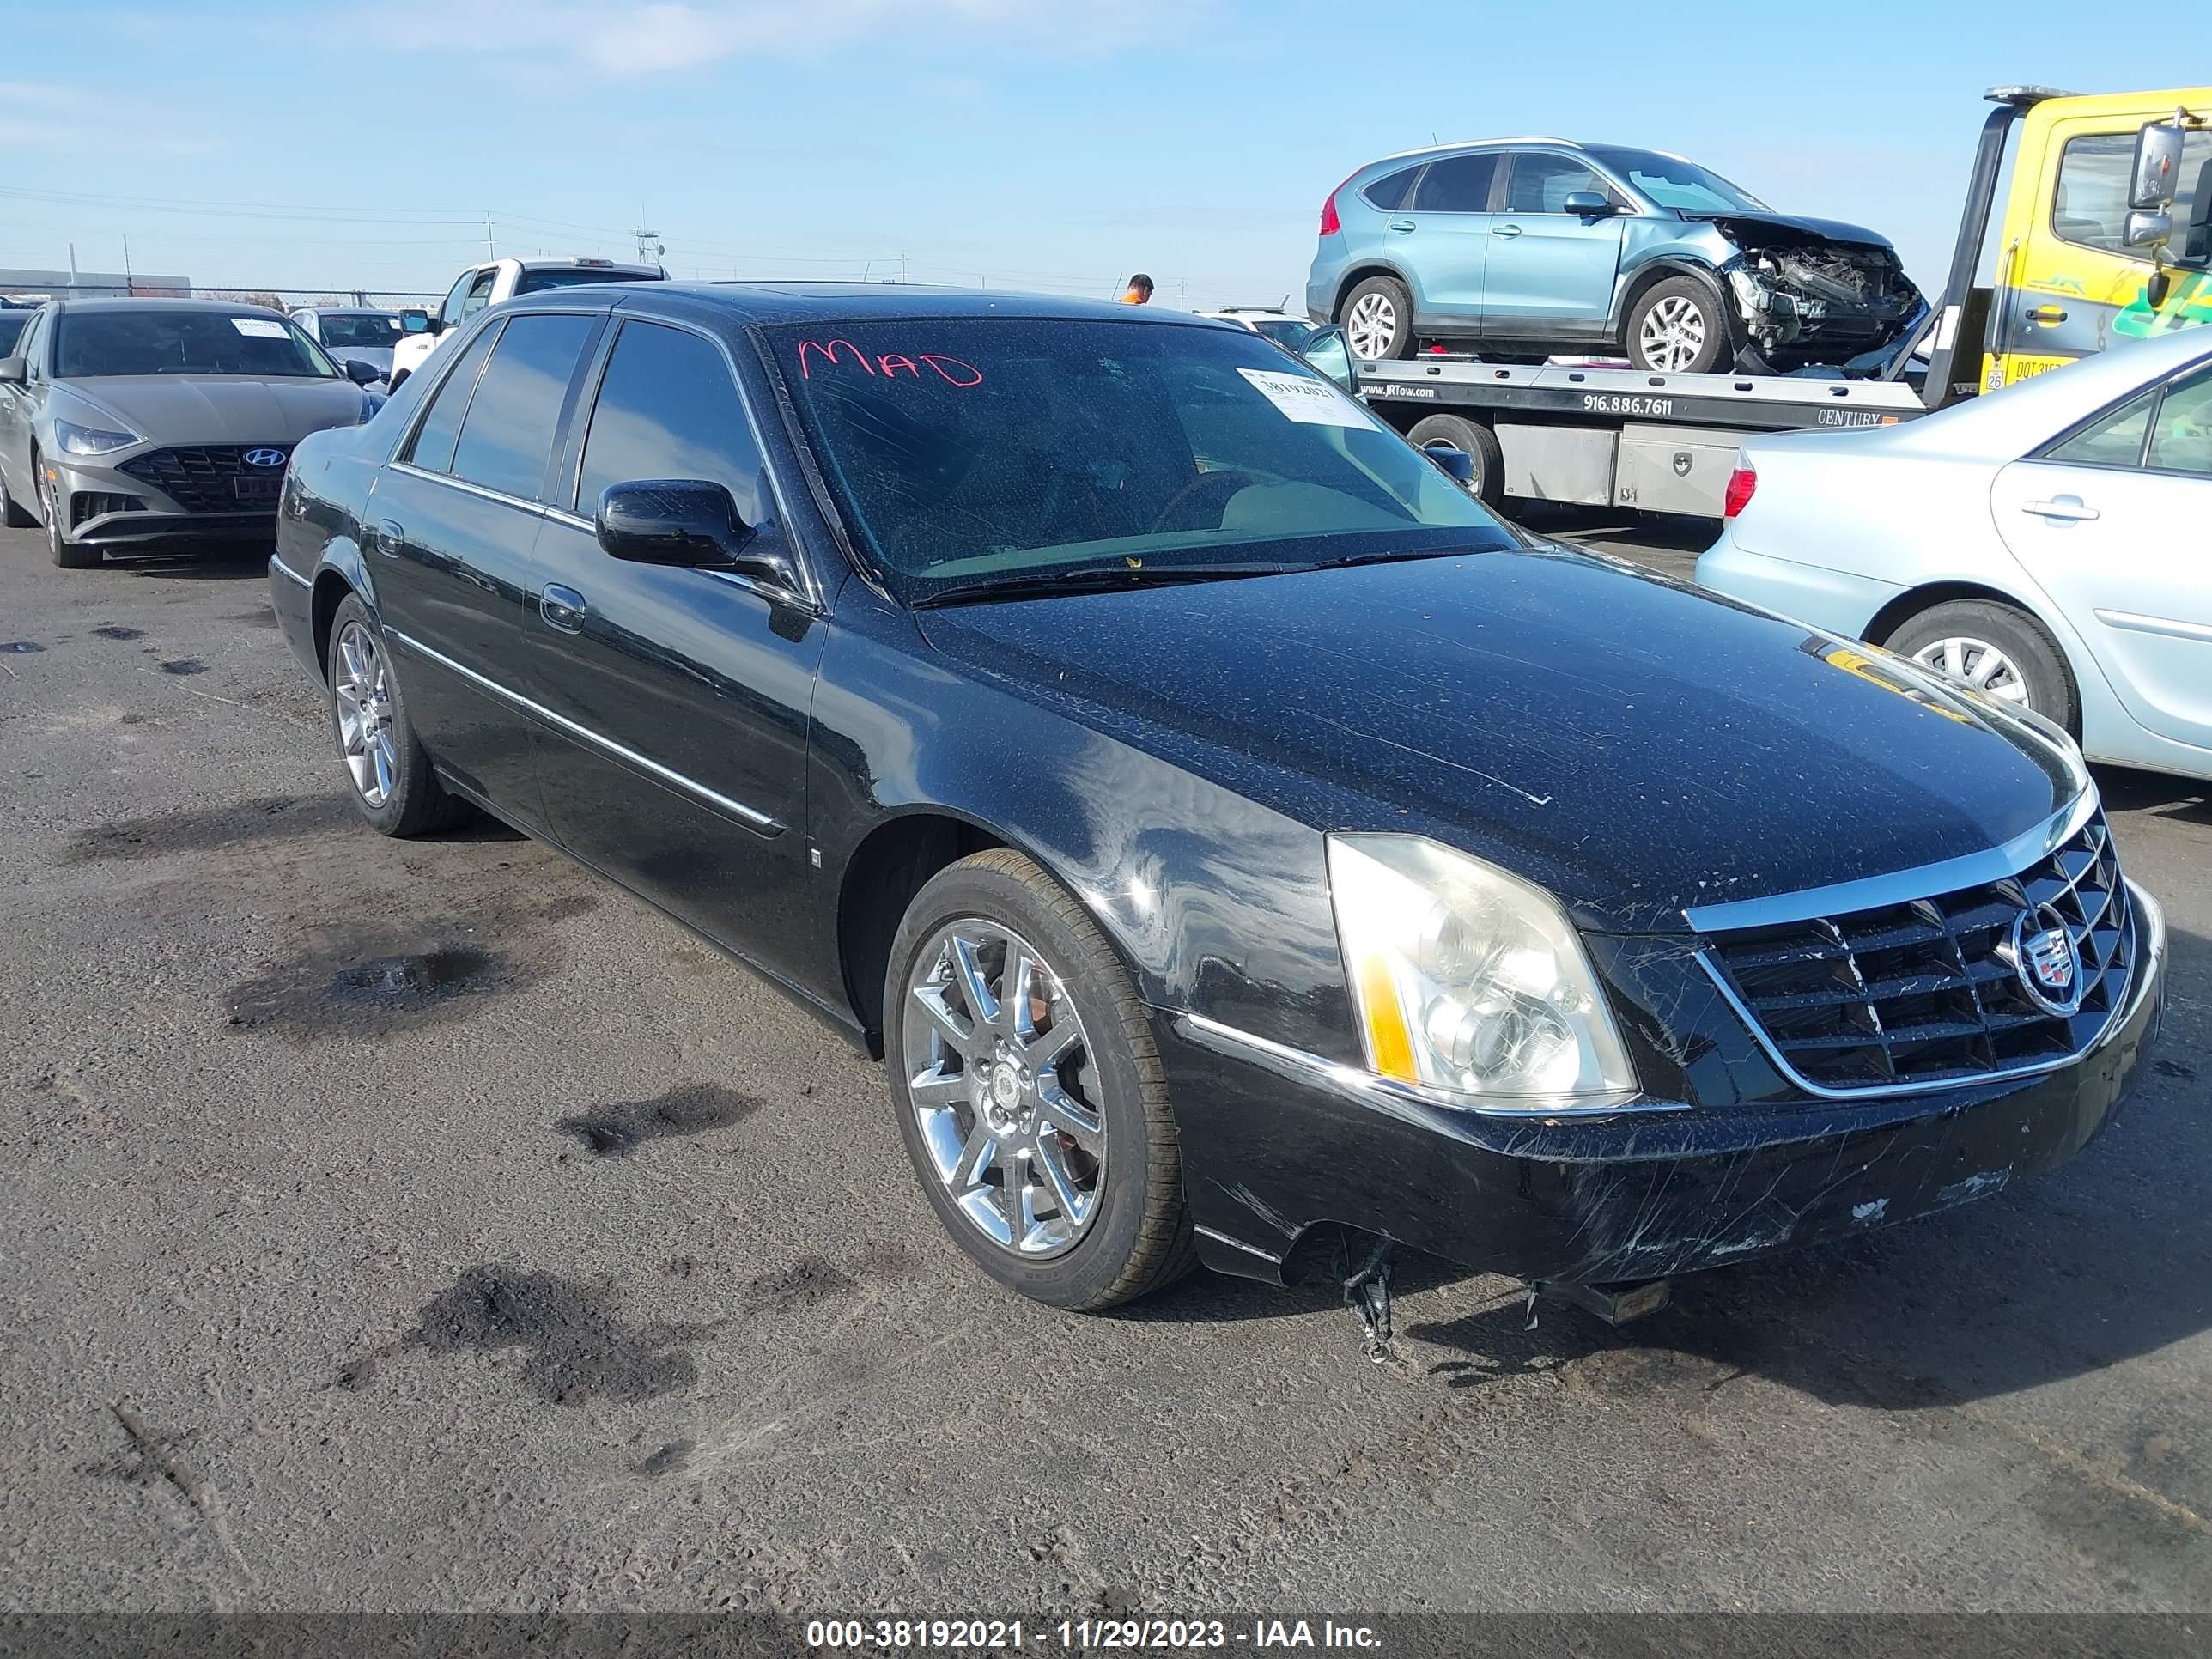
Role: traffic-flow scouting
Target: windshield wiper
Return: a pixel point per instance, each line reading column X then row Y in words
column 1101, row 579
column 1392, row 555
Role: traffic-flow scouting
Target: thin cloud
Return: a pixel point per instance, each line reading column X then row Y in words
column 42, row 115
column 675, row 35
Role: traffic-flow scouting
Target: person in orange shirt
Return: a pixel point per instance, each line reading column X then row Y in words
column 1140, row 291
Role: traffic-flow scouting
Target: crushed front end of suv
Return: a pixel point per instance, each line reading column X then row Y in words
column 1530, row 247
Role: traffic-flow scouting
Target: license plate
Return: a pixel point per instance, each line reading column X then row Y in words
column 257, row 490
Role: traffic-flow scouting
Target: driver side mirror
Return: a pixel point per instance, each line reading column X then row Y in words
column 362, row 374
column 1452, row 461
column 1589, row 203
column 690, row 523
column 2156, row 176
column 1329, row 352
column 14, row 371
column 417, row 322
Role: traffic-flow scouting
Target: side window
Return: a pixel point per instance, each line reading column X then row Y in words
column 434, row 439
column 449, row 312
column 1458, row 184
column 479, row 295
column 1389, row 191
column 507, row 437
column 2113, row 439
column 2090, row 206
column 2181, row 432
column 667, row 408
column 1542, row 182
column 34, row 336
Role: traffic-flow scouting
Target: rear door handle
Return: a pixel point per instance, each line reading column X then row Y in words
column 2066, row 509
column 1505, row 230
column 561, row 608
column 389, row 534
column 1401, row 225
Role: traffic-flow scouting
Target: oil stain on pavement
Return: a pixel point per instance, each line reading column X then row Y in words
column 183, row 666
column 203, row 829
column 350, row 992
column 579, row 1346
column 117, row 631
column 614, row 1130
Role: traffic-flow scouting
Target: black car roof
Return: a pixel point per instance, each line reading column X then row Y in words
column 822, row 302
column 150, row 302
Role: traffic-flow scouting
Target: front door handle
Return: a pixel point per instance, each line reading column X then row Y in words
column 1401, row 226
column 389, row 536
column 2049, row 316
column 2064, row 510
column 1505, row 230
column 561, row 608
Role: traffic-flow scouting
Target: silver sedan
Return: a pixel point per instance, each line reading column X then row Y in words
column 2044, row 545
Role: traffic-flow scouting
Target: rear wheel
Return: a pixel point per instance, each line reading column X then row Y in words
column 1478, row 441
column 1029, row 1090
column 1378, row 317
column 2000, row 651
column 1676, row 328
column 392, row 783
column 69, row 555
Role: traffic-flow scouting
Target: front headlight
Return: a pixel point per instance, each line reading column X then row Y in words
column 91, row 440
column 1470, row 981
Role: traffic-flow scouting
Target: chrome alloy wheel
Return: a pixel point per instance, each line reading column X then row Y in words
column 364, row 706
column 1673, row 333
column 1370, row 324
column 999, row 1074
column 1976, row 663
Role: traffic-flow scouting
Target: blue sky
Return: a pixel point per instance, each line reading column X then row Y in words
column 1028, row 143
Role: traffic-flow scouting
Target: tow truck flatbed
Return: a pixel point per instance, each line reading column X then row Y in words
column 1751, row 402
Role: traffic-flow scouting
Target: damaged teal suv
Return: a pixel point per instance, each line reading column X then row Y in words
column 1528, row 247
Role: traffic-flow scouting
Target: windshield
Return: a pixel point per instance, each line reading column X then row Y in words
column 975, row 450
column 357, row 328
column 537, row 282
column 1677, row 183
column 1287, row 332
column 94, row 342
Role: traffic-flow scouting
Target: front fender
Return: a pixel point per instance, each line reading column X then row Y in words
column 1218, row 905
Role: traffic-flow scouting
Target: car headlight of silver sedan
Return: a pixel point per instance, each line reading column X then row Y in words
column 77, row 439
column 1470, row 982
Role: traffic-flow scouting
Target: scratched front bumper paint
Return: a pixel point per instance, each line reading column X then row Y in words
column 1637, row 1196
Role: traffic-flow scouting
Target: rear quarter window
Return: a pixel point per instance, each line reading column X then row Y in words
column 1389, row 193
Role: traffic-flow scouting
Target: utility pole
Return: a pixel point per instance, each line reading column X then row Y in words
column 490, row 252
column 129, row 288
column 72, row 248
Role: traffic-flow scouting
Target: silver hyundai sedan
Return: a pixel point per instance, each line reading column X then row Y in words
column 2044, row 544
column 125, row 422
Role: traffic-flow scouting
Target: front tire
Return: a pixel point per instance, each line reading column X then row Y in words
column 1997, row 649
column 67, row 553
column 1029, row 1090
column 394, row 785
column 1377, row 318
column 1676, row 328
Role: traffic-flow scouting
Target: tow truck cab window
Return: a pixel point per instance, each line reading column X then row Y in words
column 2090, row 206
column 1458, row 184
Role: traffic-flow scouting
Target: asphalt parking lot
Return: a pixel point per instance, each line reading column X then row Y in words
column 428, row 1225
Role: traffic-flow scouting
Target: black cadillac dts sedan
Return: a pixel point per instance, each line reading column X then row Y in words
column 1229, row 835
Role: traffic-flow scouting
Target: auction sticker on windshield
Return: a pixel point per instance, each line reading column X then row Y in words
column 258, row 328
column 1313, row 402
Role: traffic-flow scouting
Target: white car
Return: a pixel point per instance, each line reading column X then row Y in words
column 502, row 279
column 2045, row 544
column 1285, row 329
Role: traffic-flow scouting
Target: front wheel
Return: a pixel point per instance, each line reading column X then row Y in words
column 1029, row 1090
column 1676, row 328
column 2001, row 652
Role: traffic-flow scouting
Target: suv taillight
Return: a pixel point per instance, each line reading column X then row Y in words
column 1741, row 483
column 1329, row 223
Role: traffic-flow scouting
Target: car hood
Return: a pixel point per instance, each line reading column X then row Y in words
column 1750, row 230
column 1632, row 743
column 180, row 409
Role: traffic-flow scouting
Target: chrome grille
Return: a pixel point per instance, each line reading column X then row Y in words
column 1926, row 991
column 210, row 477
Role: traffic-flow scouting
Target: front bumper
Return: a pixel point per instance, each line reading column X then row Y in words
column 104, row 507
column 1275, row 1142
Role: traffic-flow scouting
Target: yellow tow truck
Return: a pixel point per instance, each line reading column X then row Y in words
column 2088, row 251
